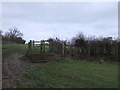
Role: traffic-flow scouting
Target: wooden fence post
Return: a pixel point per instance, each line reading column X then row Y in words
column 33, row 43
column 63, row 48
column 30, row 45
column 29, row 48
column 88, row 48
column 49, row 46
column 43, row 46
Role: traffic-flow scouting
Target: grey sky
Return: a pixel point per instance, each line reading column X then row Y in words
column 43, row 20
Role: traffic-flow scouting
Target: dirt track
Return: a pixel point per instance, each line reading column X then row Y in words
column 13, row 69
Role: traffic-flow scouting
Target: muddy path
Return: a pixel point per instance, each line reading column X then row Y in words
column 13, row 68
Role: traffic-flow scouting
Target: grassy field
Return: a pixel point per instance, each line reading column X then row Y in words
column 73, row 74
column 67, row 73
column 8, row 49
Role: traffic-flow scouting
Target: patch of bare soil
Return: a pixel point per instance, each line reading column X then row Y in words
column 13, row 69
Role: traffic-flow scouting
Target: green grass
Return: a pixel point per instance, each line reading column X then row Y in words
column 8, row 49
column 67, row 73
column 74, row 74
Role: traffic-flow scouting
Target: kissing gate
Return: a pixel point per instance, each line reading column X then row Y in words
column 37, row 50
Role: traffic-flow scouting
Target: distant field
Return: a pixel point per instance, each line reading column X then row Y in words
column 73, row 74
column 8, row 49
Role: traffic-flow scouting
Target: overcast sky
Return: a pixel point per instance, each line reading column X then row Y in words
column 40, row 21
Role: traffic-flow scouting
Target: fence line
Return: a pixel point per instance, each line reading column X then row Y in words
column 62, row 49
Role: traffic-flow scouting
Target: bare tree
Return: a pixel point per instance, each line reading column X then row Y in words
column 14, row 32
column 14, row 35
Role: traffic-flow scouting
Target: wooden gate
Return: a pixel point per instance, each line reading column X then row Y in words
column 37, row 49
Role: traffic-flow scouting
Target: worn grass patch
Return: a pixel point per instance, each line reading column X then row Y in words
column 74, row 74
